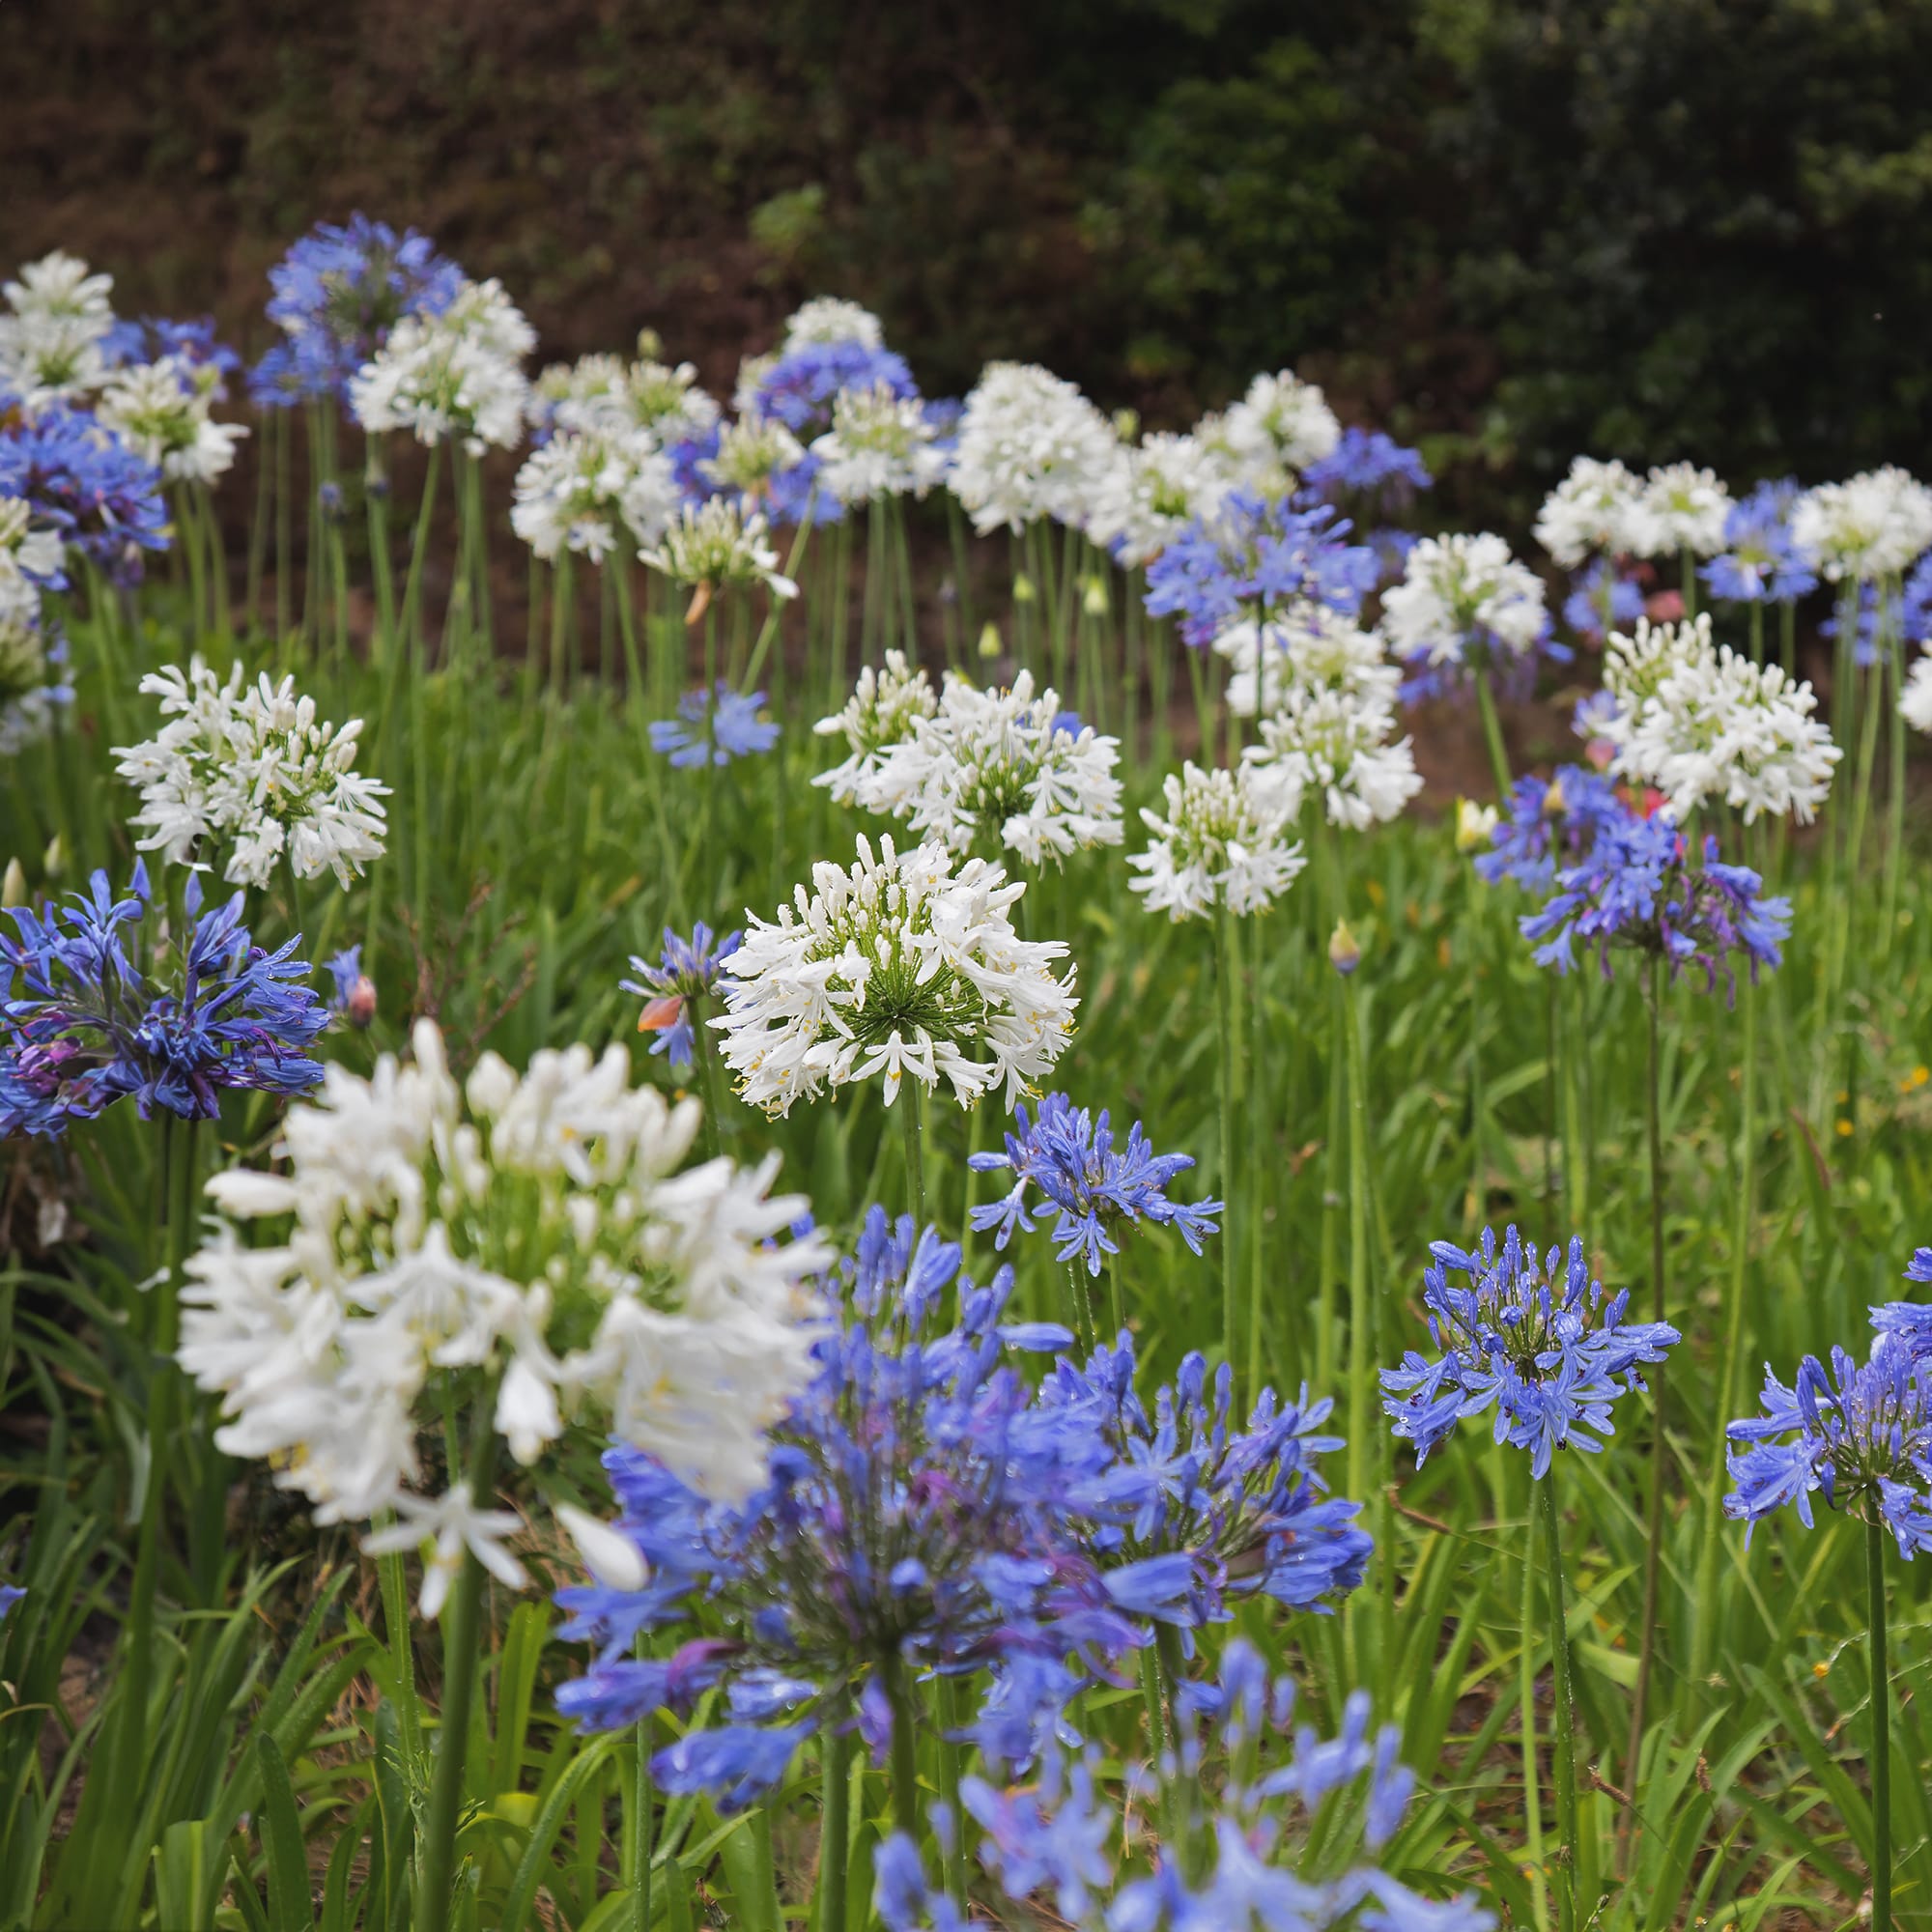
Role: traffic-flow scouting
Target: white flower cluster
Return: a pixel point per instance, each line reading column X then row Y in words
column 526, row 1241
column 588, row 491
column 1462, row 595
column 831, row 319
column 1872, row 527
column 717, row 543
column 457, row 375
column 879, row 715
column 983, row 769
column 1594, row 508
column 30, row 559
column 58, row 315
column 1681, row 508
column 604, row 395
column 1700, row 722
column 1221, row 841
column 1277, row 430
column 161, row 411
column 247, row 768
column 1329, row 722
column 750, row 452
column 1153, row 491
column 899, row 966
column 1030, row 446
column 879, row 445
column 1915, row 702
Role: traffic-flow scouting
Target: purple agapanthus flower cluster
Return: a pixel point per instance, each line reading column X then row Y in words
column 83, row 481
column 1549, row 823
column 1636, row 888
column 1859, row 1432
column 915, row 1519
column 712, row 728
column 1534, row 1341
column 1370, row 471
column 1230, row 1512
column 801, row 386
column 1760, row 564
column 152, row 337
column 1601, row 599
column 89, row 1020
column 1253, row 557
column 1911, row 1320
column 1092, row 1189
column 338, row 294
column 1188, row 1854
column 677, row 986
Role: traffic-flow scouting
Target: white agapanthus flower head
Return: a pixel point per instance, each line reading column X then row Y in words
column 593, row 495
column 1700, row 722
column 1150, row 492
column 1593, row 509
column 528, row 1249
column 456, row 376
column 1915, row 702
column 750, row 452
column 1875, row 526
column 830, row 318
column 245, row 775
column 160, row 410
column 1030, row 445
column 1307, row 643
column 1277, row 430
column 1682, row 508
column 58, row 315
column 880, row 714
column 899, row 965
column 716, row 543
column 1222, row 841
column 879, row 445
column 604, row 395
column 988, row 770
column 30, row 561
column 1338, row 745
column 1464, row 599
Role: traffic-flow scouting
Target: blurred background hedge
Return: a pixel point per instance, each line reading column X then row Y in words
column 1509, row 232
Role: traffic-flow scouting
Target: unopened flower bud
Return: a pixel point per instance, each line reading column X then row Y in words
column 54, row 863
column 650, row 346
column 359, row 1008
column 1127, row 424
column 14, row 889
column 989, row 641
column 329, row 500
column 1554, row 804
column 1345, row 951
column 1094, row 597
column 1474, row 825
column 1023, row 590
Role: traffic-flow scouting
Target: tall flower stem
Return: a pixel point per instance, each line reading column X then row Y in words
column 1224, row 1003
column 834, row 1766
column 1361, row 1321
column 461, row 1649
column 903, row 1759
column 641, row 1796
column 915, row 1167
column 1653, row 1556
column 1891, row 660
column 706, row 1050
column 1881, row 1708
column 1564, row 1716
column 1472, row 928
column 1532, row 1797
column 1492, row 733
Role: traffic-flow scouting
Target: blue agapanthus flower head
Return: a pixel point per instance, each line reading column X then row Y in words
column 193, row 341
column 715, row 727
column 1550, row 823
column 1092, row 1189
column 79, row 478
column 1255, row 557
column 1759, row 563
column 338, row 292
column 1910, row 1321
column 1601, row 600
column 1200, row 1511
column 801, row 386
column 676, row 986
column 1370, row 471
column 1533, row 1340
column 1636, row 888
column 92, row 1017
column 911, row 1515
column 1178, row 1850
column 1859, row 1432
column 794, row 495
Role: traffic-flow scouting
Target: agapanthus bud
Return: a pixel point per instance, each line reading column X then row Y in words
column 990, row 645
column 1345, row 950
column 14, row 888
column 1475, row 824
column 54, row 862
